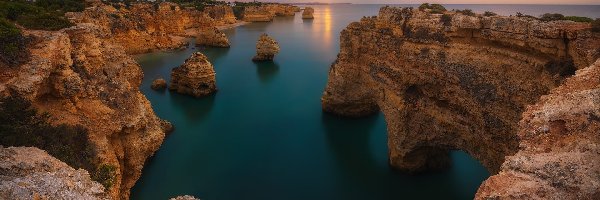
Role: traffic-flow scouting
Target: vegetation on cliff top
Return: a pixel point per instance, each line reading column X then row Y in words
column 23, row 125
column 13, row 45
column 433, row 8
column 41, row 14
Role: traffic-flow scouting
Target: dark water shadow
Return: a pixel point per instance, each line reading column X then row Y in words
column 349, row 140
column 195, row 109
column 266, row 71
column 214, row 54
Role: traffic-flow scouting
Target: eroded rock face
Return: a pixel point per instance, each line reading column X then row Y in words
column 212, row 37
column 266, row 48
column 80, row 79
column 460, row 83
column 222, row 14
column 30, row 173
column 559, row 152
column 308, row 13
column 266, row 13
column 195, row 77
column 143, row 27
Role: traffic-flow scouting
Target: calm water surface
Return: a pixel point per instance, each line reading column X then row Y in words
column 263, row 135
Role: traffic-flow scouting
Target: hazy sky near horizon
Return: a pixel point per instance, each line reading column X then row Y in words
column 580, row 2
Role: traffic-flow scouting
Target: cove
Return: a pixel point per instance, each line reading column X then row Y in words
column 263, row 134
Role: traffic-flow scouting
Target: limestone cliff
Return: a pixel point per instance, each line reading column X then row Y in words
column 30, row 173
column 80, row 79
column 195, row 77
column 559, row 152
column 454, row 82
column 212, row 37
column 222, row 14
column 267, row 12
column 143, row 27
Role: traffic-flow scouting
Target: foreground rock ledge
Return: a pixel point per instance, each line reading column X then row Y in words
column 30, row 173
column 448, row 82
column 266, row 48
column 196, row 77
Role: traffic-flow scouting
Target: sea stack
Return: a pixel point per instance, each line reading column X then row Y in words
column 266, row 48
column 159, row 84
column 308, row 13
column 196, row 77
column 212, row 37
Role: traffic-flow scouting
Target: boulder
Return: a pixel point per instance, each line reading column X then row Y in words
column 196, row 77
column 266, row 48
column 212, row 37
column 308, row 13
column 159, row 84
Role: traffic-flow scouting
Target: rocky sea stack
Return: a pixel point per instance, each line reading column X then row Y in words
column 212, row 37
column 308, row 13
column 159, row 84
column 266, row 48
column 196, row 77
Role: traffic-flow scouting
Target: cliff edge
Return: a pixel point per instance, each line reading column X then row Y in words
column 456, row 82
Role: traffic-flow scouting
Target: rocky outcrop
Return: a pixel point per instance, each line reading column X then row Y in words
column 266, row 13
column 266, row 48
column 143, row 27
column 159, row 84
column 185, row 197
column 222, row 14
column 559, row 151
column 212, row 37
column 457, row 82
column 195, row 77
column 308, row 13
column 80, row 79
column 30, row 173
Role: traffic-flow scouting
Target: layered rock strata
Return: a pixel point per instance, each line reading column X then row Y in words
column 457, row 82
column 308, row 13
column 30, row 173
column 559, row 151
column 222, row 14
column 143, row 27
column 266, row 48
column 196, row 77
column 212, row 37
column 266, row 13
column 80, row 79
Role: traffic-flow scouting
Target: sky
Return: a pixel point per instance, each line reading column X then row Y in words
column 580, row 2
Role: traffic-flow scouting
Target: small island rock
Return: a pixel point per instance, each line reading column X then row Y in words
column 159, row 84
column 308, row 13
column 212, row 37
column 195, row 77
column 266, row 48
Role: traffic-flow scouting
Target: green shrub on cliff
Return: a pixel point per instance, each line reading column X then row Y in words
column 41, row 15
column 446, row 19
column 433, row 8
column 13, row 44
column 467, row 12
column 579, row 19
column 596, row 25
column 22, row 125
column 489, row 13
column 105, row 174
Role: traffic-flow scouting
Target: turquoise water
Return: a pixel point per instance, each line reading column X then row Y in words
column 263, row 134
